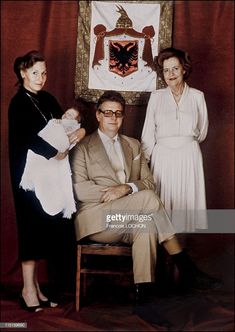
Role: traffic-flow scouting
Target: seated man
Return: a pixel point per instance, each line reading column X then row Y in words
column 115, row 189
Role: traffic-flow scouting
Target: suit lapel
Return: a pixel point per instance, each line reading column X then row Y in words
column 127, row 154
column 99, row 154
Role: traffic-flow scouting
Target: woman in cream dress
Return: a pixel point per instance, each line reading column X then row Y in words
column 176, row 122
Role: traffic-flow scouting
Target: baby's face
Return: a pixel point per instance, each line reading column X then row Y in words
column 71, row 114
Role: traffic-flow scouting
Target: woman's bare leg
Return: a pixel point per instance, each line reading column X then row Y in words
column 41, row 296
column 29, row 291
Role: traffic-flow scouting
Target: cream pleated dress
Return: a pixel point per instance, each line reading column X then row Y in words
column 170, row 141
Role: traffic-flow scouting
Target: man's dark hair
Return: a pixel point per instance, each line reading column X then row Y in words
column 111, row 96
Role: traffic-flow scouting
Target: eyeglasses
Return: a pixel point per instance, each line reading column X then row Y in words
column 110, row 113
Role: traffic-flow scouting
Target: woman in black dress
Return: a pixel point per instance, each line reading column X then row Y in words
column 29, row 111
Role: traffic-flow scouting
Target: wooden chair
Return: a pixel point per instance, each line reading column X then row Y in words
column 83, row 250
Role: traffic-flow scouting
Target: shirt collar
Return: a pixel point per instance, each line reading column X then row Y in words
column 105, row 138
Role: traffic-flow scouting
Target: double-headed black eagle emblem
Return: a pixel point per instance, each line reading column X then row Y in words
column 123, row 56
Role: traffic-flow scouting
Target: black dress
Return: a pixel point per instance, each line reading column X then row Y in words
column 37, row 230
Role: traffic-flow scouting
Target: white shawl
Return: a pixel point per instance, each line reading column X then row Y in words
column 51, row 179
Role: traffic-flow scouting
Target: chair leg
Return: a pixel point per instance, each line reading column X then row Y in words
column 84, row 279
column 78, row 278
column 84, row 284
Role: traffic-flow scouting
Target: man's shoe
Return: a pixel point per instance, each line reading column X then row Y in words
column 199, row 281
column 138, row 294
column 146, row 306
column 203, row 281
column 143, row 293
column 190, row 277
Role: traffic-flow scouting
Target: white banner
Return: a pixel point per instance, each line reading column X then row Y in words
column 123, row 43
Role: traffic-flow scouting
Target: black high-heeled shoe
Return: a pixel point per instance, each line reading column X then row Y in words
column 48, row 303
column 35, row 308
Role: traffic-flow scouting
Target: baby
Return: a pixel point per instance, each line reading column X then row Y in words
column 70, row 120
column 51, row 179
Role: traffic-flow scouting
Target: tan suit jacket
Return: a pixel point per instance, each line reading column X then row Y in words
column 92, row 172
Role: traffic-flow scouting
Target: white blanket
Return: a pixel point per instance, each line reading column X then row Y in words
column 70, row 126
column 51, row 179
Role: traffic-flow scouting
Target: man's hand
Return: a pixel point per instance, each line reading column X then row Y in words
column 115, row 192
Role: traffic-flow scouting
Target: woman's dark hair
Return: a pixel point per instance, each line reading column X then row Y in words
column 111, row 96
column 26, row 61
column 171, row 52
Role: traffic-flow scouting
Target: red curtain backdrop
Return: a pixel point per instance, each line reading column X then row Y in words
column 203, row 28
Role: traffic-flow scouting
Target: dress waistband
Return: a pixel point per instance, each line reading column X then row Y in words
column 175, row 141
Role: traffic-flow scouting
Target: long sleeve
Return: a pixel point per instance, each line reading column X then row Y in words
column 146, row 180
column 202, row 119
column 139, row 174
column 22, row 133
column 25, row 122
column 148, row 133
column 85, row 188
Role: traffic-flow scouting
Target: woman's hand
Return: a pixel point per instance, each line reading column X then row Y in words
column 61, row 155
column 77, row 136
column 57, row 121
